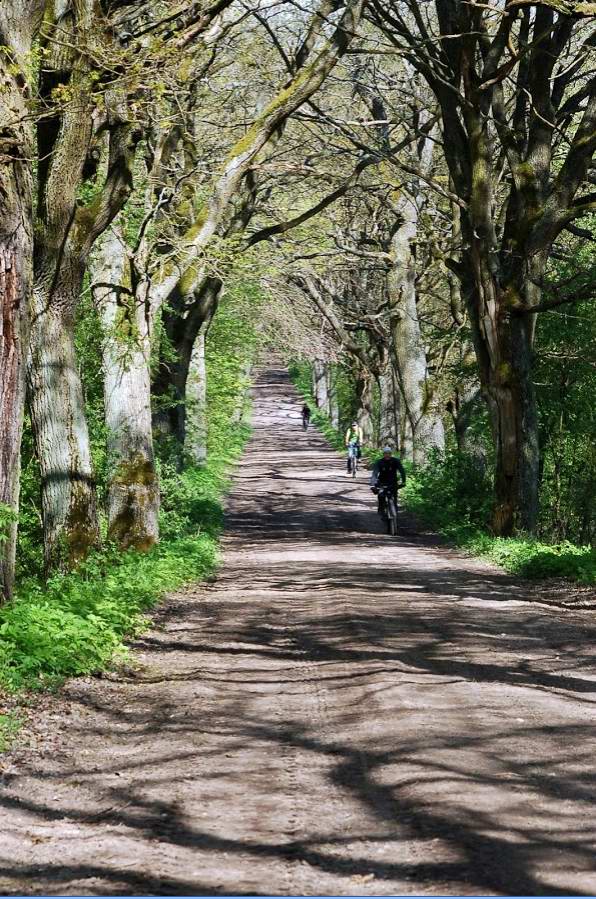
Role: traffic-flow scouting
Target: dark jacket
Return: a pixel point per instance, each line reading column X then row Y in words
column 385, row 473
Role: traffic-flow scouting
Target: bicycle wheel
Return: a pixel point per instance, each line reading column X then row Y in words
column 392, row 523
column 354, row 466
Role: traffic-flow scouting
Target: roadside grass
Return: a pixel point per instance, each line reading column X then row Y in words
column 77, row 623
column 10, row 724
column 453, row 498
column 432, row 495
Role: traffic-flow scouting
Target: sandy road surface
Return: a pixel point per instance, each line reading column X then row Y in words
column 340, row 713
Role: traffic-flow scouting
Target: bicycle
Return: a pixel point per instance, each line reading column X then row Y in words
column 305, row 422
column 353, row 458
column 388, row 509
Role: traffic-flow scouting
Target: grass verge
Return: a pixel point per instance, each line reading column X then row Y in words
column 76, row 624
column 432, row 494
column 10, row 723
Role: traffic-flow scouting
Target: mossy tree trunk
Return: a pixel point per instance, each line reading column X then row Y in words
column 183, row 320
column 133, row 490
column 18, row 25
column 68, row 494
column 320, row 385
column 196, row 402
column 332, row 395
column 225, row 187
column 407, row 347
column 519, row 163
column 365, row 384
column 389, row 417
column 65, row 232
column 504, row 349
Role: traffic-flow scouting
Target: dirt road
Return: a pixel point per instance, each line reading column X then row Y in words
column 340, row 713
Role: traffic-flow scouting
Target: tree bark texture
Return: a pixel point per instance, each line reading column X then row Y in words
column 365, row 399
column 332, row 397
column 320, row 385
column 65, row 232
column 18, row 25
column 133, row 489
column 15, row 264
column 182, row 322
column 389, row 417
column 196, row 403
column 408, row 350
column 463, row 407
column 69, row 505
column 504, row 348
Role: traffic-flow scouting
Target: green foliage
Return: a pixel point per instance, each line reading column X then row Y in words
column 566, row 386
column 343, row 386
column 300, row 373
column 76, row 624
column 533, row 559
column 452, row 489
column 453, row 496
column 233, row 342
column 7, row 518
column 10, row 724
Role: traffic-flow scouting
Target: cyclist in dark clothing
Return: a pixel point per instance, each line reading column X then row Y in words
column 305, row 416
column 386, row 473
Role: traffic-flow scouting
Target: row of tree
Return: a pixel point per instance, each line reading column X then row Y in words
column 415, row 178
column 102, row 120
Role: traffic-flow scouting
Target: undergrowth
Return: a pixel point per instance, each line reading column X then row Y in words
column 76, row 624
column 10, row 723
column 452, row 495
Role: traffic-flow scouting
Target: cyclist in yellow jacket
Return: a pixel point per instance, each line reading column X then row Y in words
column 354, row 438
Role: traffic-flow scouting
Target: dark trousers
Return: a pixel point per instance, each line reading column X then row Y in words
column 381, row 501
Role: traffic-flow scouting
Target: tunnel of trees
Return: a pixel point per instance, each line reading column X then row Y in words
column 397, row 199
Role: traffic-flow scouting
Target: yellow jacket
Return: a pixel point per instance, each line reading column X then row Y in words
column 354, row 434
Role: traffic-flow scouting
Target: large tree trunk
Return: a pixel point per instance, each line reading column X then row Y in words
column 364, row 399
column 133, row 490
column 66, row 229
column 408, row 349
column 389, row 417
column 320, row 385
column 69, row 505
column 503, row 344
column 332, row 398
column 15, row 277
column 196, row 403
column 180, row 333
column 512, row 403
column 463, row 407
column 18, row 25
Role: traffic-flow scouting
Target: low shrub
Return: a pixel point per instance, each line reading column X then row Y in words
column 10, row 723
column 453, row 496
column 75, row 624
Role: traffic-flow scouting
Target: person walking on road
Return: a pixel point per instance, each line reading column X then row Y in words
column 305, row 416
